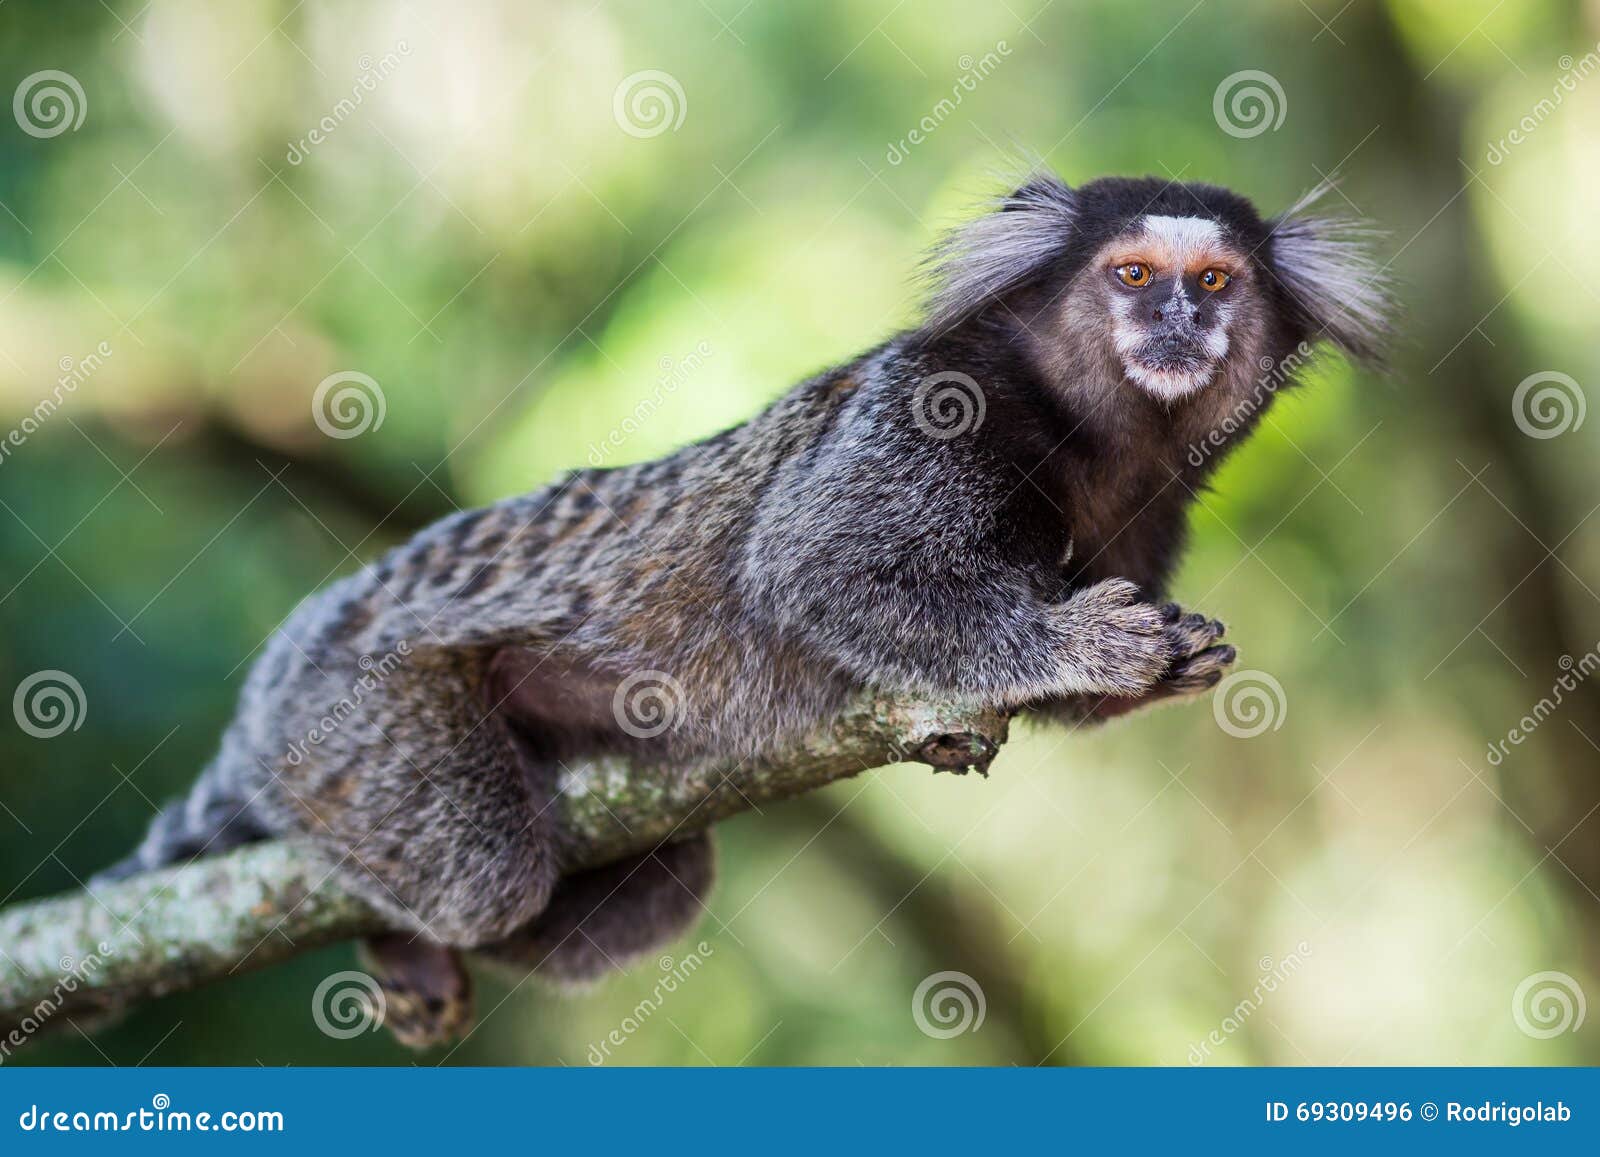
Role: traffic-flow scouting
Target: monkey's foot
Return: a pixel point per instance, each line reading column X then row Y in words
column 427, row 993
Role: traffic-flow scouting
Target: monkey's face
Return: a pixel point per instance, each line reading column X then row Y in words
column 1174, row 290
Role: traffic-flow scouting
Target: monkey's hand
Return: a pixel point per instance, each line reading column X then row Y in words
column 1115, row 643
column 1197, row 662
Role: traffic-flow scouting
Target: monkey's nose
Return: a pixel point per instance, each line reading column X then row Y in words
column 1179, row 311
column 1182, row 316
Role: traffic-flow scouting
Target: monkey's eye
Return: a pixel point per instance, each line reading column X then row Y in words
column 1135, row 274
column 1214, row 279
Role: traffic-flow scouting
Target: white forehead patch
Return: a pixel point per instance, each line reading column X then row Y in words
column 1183, row 239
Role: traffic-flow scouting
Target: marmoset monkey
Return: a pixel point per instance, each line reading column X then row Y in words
column 988, row 505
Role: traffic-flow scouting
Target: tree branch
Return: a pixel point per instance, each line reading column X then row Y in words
column 179, row 928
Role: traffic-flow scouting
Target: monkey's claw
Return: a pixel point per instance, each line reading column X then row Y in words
column 1199, row 662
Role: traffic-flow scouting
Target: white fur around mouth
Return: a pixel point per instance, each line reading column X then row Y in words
column 1168, row 384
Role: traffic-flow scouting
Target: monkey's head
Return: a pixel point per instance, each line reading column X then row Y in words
column 1167, row 288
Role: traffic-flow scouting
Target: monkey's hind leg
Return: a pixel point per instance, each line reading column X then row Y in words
column 600, row 920
column 427, row 993
column 429, row 815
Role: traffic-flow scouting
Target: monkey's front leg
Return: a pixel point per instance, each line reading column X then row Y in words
column 984, row 641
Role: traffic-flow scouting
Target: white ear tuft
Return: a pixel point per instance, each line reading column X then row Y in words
column 1326, row 266
column 1000, row 251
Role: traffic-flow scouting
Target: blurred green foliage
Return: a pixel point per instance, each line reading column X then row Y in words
column 481, row 236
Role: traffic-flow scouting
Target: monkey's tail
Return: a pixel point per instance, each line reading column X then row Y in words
column 214, row 817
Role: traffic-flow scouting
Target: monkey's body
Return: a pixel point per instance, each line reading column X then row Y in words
column 745, row 587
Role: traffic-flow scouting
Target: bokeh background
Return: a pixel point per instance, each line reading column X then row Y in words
column 521, row 239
